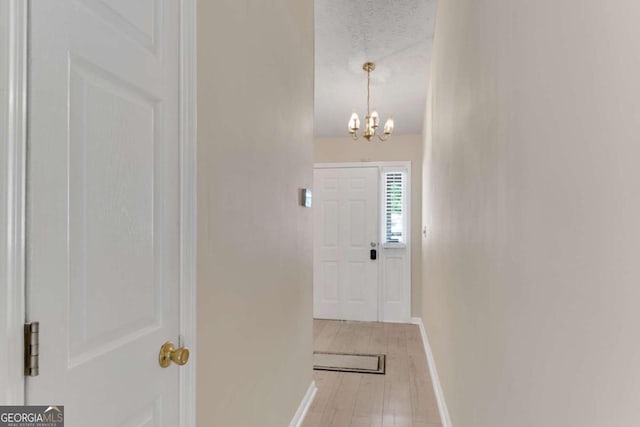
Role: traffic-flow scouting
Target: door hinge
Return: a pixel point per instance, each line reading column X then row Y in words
column 31, row 349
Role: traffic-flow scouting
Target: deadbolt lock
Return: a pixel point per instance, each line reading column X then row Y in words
column 169, row 353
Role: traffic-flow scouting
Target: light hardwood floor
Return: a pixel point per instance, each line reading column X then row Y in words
column 403, row 397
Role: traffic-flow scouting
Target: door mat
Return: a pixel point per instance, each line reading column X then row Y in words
column 349, row 362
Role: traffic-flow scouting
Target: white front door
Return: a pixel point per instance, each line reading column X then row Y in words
column 345, row 231
column 103, row 208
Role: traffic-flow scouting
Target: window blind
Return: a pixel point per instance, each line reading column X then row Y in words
column 394, row 208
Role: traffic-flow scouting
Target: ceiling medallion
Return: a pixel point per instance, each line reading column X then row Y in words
column 372, row 119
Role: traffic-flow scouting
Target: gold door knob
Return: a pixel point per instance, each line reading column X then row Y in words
column 169, row 353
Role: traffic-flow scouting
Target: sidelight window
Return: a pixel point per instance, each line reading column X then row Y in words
column 394, row 215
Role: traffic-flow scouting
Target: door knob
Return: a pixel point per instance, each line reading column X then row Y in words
column 169, row 353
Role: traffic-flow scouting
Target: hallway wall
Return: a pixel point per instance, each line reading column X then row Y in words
column 398, row 148
column 532, row 203
column 255, row 150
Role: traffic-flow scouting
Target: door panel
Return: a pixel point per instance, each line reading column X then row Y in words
column 395, row 258
column 327, row 241
column 394, row 267
column 346, row 220
column 103, row 208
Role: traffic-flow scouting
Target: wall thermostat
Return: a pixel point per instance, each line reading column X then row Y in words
column 306, row 197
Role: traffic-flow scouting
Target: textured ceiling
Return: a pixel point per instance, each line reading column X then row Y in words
column 396, row 35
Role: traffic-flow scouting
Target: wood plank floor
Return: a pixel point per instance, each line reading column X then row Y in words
column 403, row 397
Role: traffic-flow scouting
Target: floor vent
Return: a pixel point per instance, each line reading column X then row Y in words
column 349, row 362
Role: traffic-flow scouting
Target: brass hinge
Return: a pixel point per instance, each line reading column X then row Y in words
column 31, row 349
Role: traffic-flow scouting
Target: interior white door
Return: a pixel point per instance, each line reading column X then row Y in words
column 345, row 228
column 103, row 208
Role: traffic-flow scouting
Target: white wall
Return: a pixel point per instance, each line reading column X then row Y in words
column 532, row 185
column 398, row 148
column 255, row 150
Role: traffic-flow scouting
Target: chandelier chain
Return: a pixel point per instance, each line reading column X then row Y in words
column 368, row 93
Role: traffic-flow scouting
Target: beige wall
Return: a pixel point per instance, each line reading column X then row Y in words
column 398, row 148
column 533, row 212
column 255, row 149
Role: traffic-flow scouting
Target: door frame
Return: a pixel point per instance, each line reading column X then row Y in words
column 188, row 206
column 13, row 128
column 381, row 166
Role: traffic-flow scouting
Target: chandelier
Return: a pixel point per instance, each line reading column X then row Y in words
column 372, row 119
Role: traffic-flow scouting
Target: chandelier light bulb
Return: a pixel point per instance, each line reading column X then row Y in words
column 388, row 126
column 375, row 119
column 354, row 123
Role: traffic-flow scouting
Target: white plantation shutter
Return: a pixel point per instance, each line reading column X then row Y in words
column 394, row 207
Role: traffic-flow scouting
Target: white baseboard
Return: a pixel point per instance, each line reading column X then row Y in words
column 304, row 405
column 437, row 387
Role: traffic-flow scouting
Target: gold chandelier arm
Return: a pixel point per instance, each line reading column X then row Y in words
column 383, row 138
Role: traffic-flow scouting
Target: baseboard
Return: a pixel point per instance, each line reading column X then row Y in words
column 304, row 406
column 403, row 322
column 437, row 387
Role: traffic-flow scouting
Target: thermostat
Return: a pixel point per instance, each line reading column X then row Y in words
column 305, row 197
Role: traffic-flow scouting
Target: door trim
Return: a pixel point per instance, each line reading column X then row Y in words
column 381, row 166
column 188, row 207
column 405, row 164
column 13, row 215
